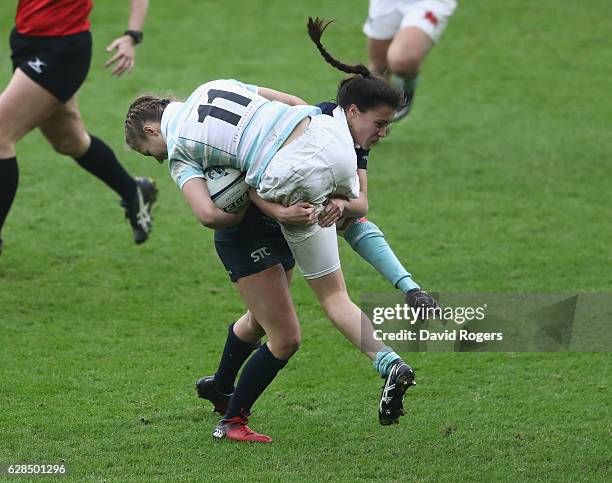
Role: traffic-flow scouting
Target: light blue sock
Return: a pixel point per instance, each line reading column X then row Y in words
column 385, row 358
column 367, row 240
column 406, row 284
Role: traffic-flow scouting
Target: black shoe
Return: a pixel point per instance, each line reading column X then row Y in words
column 138, row 211
column 207, row 389
column 391, row 405
column 1, row 245
column 417, row 298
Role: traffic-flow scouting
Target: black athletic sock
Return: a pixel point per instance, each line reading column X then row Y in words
column 100, row 161
column 235, row 352
column 9, row 178
column 257, row 374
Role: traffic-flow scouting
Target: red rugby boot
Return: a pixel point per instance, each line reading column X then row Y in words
column 236, row 429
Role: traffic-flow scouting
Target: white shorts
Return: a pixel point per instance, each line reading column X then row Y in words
column 321, row 162
column 387, row 17
column 317, row 255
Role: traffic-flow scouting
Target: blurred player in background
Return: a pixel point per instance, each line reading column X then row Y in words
column 400, row 35
column 51, row 54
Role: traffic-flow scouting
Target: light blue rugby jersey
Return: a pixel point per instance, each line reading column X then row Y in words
column 225, row 122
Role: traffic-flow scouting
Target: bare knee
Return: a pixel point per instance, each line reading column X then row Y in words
column 336, row 306
column 74, row 146
column 7, row 148
column 285, row 346
column 65, row 131
column 406, row 65
column 23, row 106
column 291, row 346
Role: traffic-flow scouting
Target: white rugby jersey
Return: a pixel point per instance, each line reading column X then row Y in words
column 225, row 122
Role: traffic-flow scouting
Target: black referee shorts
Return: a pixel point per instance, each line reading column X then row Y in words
column 253, row 246
column 57, row 64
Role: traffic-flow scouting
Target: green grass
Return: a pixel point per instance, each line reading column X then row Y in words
column 498, row 181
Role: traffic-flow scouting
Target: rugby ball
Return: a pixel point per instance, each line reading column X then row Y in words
column 227, row 188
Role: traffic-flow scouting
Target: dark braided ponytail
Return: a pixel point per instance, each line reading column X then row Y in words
column 145, row 109
column 364, row 89
column 316, row 28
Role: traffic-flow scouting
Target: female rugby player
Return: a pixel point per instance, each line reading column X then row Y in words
column 259, row 262
column 400, row 35
column 290, row 155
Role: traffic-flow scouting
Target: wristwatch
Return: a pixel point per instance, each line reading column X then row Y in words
column 135, row 34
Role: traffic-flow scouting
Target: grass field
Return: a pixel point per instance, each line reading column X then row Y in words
column 498, row 181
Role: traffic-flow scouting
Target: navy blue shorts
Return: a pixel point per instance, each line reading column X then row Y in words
column 57, row 64
column 254, row 245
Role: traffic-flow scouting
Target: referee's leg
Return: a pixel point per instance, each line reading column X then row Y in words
column 66, row 133
column 23, row 106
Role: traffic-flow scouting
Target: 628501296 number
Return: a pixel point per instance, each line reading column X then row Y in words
column 35, row 469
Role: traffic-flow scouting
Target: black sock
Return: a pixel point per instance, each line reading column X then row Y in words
column 100, row 161
column 257, row 374
column 235, row 352
column 9, row 178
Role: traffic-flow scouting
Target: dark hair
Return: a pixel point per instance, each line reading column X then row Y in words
column 147, row 108
column 364, row 89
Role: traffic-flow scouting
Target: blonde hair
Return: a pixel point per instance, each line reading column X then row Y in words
column 145, row 109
